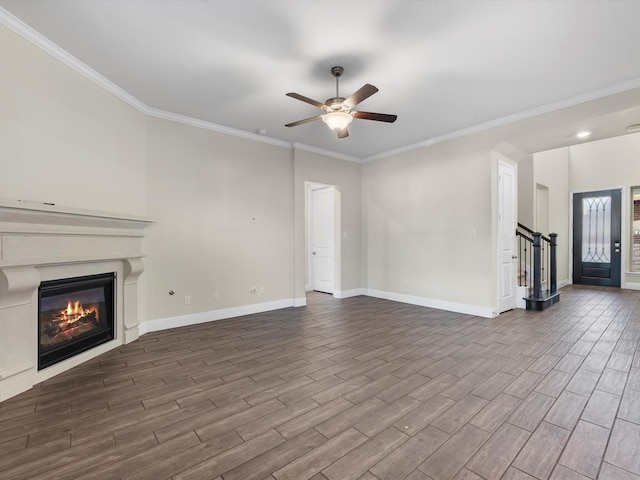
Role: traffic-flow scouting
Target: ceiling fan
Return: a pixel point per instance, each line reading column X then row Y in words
column 338, row 109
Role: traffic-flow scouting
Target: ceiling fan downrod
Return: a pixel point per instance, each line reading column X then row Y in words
column 337, row 72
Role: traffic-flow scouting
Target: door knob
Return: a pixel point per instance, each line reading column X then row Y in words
column 313, row 253
column 513, row 257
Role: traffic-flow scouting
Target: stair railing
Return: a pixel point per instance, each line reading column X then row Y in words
column 538, row 261
column 525, row 257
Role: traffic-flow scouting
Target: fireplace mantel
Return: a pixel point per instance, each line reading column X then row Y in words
column 41, row 242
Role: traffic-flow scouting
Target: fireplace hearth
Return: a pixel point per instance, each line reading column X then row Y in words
column 74, row 315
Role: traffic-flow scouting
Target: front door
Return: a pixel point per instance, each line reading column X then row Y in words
column 596, row 238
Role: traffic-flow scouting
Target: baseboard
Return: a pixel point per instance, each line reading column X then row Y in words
column 632, row 286
column 486, row 312
column 213, row 315
column 355, row 292
column 563, row 283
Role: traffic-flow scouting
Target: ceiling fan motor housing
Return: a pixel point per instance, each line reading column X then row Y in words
column 335, row 105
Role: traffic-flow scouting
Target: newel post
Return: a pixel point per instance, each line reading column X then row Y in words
column 553, row 265
column 537, row 266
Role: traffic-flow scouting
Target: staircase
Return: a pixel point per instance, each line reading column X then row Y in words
column 537, row 268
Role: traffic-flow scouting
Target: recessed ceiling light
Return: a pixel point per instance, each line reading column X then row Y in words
column 583, row 134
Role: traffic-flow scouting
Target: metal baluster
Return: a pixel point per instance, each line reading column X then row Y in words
column 537, row 266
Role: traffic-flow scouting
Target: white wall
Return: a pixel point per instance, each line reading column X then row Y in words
column 65, row 140
column 551, row 169
column 526, row 186
column 428, row 220
column 224, row 212
column 606, row 163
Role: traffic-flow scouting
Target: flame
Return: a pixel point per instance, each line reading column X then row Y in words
column 75, row 311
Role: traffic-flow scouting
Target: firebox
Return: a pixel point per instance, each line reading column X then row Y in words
column 74, row 315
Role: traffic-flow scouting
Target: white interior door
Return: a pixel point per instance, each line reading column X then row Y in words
column 506, row 237
column 323, row 240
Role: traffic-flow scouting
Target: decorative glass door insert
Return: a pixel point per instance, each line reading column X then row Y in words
column 596, row 229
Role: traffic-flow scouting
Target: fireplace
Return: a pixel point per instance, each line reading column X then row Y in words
column 74, row 315
column 40, row 244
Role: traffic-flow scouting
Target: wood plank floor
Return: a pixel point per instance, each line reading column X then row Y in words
column 359, row 388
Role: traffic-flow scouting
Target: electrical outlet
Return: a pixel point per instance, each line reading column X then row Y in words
column 216, row 296
column 254, row 290
column 187, row 299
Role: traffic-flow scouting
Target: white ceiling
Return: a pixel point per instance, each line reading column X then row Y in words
column 442, row 67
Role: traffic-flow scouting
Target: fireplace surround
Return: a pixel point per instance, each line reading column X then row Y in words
column 45, row 243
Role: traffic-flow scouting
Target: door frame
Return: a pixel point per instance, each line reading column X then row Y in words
column 624, row 229
column 501, row 160
column 539, row 188
column 337, row 268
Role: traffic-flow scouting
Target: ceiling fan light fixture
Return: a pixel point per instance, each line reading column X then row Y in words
column 337, row 120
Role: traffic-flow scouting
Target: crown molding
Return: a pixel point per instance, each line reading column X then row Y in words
column 551, row 107
column 37, row 39
column 194, row 122
column 40, row 41
column 326, row 153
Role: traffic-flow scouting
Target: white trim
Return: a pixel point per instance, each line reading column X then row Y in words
column 213, row 315
column 336, row 199
column 194, row 122
column 15, row 369
column 551, row 107
column 632, row 286
column 355, row 292
column 486, row 312
column 328, row 153
column 40, row 41
column 563, row 283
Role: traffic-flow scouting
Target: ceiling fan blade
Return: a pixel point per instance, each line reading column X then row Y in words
column 362, row 94
column 379, row 117
column 344, row 133
column 300, row 122
column 297, row 96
